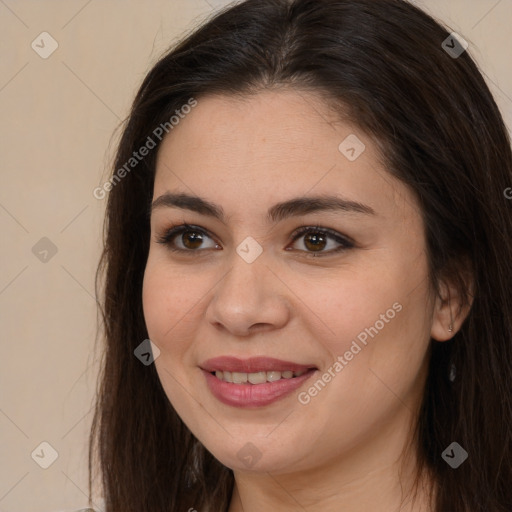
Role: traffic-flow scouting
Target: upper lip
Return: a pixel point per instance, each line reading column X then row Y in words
column 252, row 365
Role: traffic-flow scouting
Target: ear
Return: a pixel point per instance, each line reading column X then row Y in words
column 449, row 308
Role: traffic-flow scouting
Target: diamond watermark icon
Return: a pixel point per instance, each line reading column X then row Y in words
column 147, row 352
column 352, row 147
column 44, row 45
column 454, row 455
column 44, row 455
column 249, row 249
column 44, row 250
column 455, row 45
column 249, row 454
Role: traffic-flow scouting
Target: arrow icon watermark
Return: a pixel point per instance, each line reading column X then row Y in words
column 351, row 147
column 147, row 352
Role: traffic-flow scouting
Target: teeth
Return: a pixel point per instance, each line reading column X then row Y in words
column 239, row 378
column 273, row 376
column 257, row 377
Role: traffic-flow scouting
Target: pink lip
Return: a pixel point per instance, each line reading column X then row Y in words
column 251, row 365
column 252, row 395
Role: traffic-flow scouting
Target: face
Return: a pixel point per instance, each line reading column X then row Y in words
column 302, row 273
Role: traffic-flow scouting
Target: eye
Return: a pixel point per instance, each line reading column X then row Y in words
column 191, row 238
column 187, row 238
column 316, row 239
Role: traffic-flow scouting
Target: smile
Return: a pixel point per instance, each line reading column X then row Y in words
column 253, row 382
column 257, row 377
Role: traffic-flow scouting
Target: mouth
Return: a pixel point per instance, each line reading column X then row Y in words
column 253, row 382
column 253, row 365
column 256, row 377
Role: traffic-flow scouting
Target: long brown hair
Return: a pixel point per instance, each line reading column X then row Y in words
column 384, row 63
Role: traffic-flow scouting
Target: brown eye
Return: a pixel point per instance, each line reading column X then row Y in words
column 191, row 239
column 186, row 238
column 316, row 239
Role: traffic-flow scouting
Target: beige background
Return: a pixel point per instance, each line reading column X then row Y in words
column 57, row 117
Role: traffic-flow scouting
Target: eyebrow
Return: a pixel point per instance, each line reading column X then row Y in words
column 293, row 207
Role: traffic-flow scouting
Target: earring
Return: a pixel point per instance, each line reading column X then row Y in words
column 450, row 328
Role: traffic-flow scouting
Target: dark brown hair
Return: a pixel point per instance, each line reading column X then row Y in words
column 441, row 133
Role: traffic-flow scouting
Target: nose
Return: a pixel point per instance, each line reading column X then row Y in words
column 249, row 298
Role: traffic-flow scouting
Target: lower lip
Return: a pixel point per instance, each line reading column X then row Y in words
column 253, row 395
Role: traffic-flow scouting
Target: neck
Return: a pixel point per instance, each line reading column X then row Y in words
column 365, row 480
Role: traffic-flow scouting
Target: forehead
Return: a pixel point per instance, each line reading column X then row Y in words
column 272, row 144
column 271, row 123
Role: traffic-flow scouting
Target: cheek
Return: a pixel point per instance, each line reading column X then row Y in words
column 155, row 297
column 163, row 308
column 358, row 308
column 168, row 322
column 172, row 303
column 168, row 300
column 378, row 325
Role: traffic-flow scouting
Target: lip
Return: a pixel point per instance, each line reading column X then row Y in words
column 252, row 365
column 253, row 395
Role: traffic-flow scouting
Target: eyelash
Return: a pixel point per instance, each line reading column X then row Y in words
column 173, row 231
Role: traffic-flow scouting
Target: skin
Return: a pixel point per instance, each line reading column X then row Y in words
column 346, row 446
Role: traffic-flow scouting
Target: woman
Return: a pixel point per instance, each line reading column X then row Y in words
column 307, row 218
